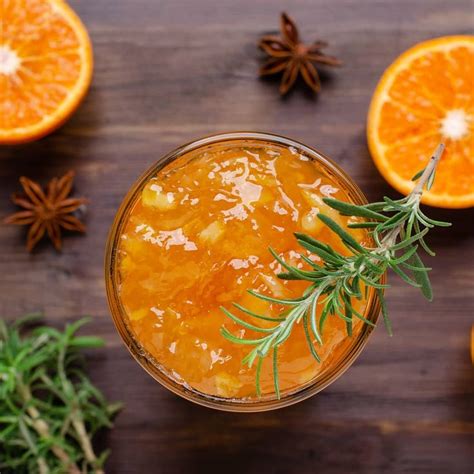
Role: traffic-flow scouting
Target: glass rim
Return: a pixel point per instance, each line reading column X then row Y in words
column 153, row 367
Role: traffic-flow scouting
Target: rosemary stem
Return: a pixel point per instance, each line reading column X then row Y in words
column 42, row 466
column 418, row 189
column 416, row 193
column 390, row 238
column 42, row 428
column 84, row 440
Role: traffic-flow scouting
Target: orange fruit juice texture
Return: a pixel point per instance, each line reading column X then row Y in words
column 197, row 238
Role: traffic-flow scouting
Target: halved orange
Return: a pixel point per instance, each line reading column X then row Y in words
column 45, row 67
column 426, row 97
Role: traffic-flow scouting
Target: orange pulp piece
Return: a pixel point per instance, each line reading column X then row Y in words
column 45, row 67
column 426, row 97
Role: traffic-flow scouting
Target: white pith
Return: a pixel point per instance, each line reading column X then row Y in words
column 9, row 60
column 455, row 124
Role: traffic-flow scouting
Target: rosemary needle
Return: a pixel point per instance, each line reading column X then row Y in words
column 398, row 229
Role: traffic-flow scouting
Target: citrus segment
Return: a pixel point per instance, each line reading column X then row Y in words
column 45, row 67
column 426, row 97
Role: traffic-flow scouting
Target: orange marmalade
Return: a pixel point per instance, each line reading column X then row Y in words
column 196, row 238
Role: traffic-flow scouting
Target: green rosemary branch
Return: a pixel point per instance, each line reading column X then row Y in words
column 398, row 229
column 49, row 410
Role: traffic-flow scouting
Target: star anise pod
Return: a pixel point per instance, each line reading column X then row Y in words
column 290, row 55
column 47, row 211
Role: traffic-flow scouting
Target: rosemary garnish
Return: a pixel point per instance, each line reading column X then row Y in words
column 49, row 410
column 397, row 228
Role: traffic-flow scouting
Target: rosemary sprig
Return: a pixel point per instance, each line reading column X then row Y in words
column 398, row 229
column 49, row 410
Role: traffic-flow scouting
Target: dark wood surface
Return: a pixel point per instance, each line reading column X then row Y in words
column 170, row 71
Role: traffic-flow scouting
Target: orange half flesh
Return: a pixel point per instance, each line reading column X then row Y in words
column 45, row 67
column 426, row 97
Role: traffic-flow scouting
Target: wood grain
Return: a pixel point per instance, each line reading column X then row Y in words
column 167, row 72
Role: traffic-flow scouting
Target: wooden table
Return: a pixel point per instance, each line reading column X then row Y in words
column 170, row 71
